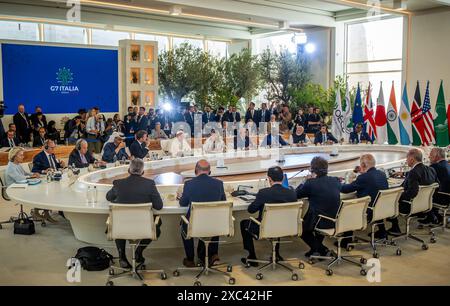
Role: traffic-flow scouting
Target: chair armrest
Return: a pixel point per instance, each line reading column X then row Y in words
column 328, row 218
column 254, row 220
column 233, row 219
column 407, row 202
column 183, row 218
column 157, row 219
column 369, row 207
column 444, row 193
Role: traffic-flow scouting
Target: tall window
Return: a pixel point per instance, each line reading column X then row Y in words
column 108, row 38
column 217, row 48
column 64, row 34
column 280, row 42
column 196, row 43
column 19, row 30
column 374, row 54
column 163, row 41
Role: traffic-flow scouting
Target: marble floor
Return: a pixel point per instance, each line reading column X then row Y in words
column 40, row 259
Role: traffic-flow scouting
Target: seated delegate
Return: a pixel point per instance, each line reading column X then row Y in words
column 114, row 149
column 46, row 159
column 80, row 157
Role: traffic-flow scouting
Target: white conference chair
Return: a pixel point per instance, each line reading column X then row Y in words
column 443, row 210
column 385, row 206
column 278, row 221
column 351, row 216
column 132, row 222
column 207, row 220
column 422, row 203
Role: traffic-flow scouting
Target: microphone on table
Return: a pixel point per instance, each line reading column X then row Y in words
column 240, row 192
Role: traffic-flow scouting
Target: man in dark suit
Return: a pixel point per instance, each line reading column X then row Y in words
column 359, row 136
column 135, row 189
column 80, row 157
column 39, row 141
column 323, row 193
column 33, row 117
column 251, row 113
column 23, row 124
column 208, row 115
column 10, row 140
column 324, row 137
column 142, row 120
column 189, row 118
column 276, row 193
column 202, row 188
column 138, row 148
column 263, row 114
column 220, row 115
column 442, row 168
column 233, row 115
column 368, row 183
column 419, row 175
column 46, row 159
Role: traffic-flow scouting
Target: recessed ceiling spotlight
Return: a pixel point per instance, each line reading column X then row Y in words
column 175, row 10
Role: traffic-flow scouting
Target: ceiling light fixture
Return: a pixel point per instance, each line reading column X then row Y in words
column 175, row 10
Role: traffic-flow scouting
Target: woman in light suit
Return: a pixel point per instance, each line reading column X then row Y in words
column 214, row 143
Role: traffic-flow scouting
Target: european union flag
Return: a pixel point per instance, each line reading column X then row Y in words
column 358, row 111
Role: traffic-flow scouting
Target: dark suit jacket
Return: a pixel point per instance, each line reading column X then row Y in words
column 202, row 188
column 267, row 141
column 229, row 116
column 266, row 116
column 368, row 184
column 75, row 159
column 138, row 150
column 324, row 198
column 5, row 142
column 442, row 169
column 189, row 118
column 318, row 138
column 33, row 119
column 274, row 194
column 142, row 123
column 212, row 117
column 38, row 142
column 355, row 139
column 420, row 175
column 248, row 116
column 135, row 189
column 23, row 133
column 41, row 163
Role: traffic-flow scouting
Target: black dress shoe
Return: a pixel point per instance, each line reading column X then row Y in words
column 188, row 263
column 394, row 231
column 124, row 264
column 251, row 263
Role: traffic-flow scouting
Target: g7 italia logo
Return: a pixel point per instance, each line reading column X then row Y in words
column 65, row 78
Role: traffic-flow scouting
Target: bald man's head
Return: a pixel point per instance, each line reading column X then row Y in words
column 202, row 167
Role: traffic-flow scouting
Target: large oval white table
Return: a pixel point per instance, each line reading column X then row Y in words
column 244, row 168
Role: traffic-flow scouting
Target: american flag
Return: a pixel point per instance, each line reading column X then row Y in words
column 428, row 119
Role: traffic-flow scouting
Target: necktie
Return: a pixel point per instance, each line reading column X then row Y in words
column 263, row 119
column 324, row 137
column 83, row 159
column 25, row 118
column 52, row 163
column 11, row 143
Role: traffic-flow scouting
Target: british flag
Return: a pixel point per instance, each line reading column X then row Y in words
column 428, row 119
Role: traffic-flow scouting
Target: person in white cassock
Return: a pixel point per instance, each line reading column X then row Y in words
column 179, row 146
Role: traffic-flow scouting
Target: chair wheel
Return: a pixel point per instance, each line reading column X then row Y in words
column 301, row 265
column 375, row 255
column 197, row 283
column 294, row 277
column 329, row 272
column 363, row 261
column 232, row 281
column 398, row 252
column 247, row 265
column 163, row 276
column 311, row 262
column 363, row 272
column 176, row 273
column 349, row 248
column 110, row 284
column 229, row 268
column 432, row 240
column 259, row 276
column 424, row 247
column 111, row 271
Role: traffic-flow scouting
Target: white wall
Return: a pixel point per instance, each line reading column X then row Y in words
column 429, row 54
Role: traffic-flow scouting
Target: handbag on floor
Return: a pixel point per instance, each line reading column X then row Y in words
column 24, row 225
column 94, row 259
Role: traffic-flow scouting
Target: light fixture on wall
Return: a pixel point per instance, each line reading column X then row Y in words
column 175, row 10
column 310, row 48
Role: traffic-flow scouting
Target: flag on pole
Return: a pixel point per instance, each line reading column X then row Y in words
column 441, row 121
column 417, row 118
column 405, row 120
column 337, row 127
column 428, row 119
column 380, row 118
column 369, row 119
column 347, row 117
column 448, row 118
column 357, row 110
column 392, row 118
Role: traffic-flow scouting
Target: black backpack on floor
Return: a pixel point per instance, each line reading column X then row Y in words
column 94, row 259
